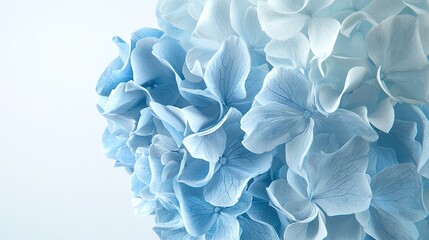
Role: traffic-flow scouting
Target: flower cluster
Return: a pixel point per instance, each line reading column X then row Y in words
column 275, row 119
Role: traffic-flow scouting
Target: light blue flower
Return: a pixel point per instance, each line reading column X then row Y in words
column 397, row 203
column 200, row 217
column 119, row 69
column 284, row 113
column 283, row 20
column 219, row 20
column 333, row 183
column 403, row 67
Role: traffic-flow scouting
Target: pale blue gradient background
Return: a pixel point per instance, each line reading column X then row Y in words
column 54, row 181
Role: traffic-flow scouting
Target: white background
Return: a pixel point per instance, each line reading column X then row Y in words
column 54, row 181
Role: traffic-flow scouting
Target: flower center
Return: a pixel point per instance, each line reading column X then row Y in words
column 222, row 160
column 307, row 114
column 217, row 209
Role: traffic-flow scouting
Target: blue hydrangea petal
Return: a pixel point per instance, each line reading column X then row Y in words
column 390, row 8
column 287, row 7
column 195, row 172
column 214, row 22
column 344, row 125
column 176, row 13
column 338, row 181
column 298, row 147
column 322, row 35
column 261, row 211
column 209, row 144
column 119, row 70
column 227, row 227
column 241, row 207
column 307, row 230
column 272, row 124
column 170, row 52
column 381, row 225
column 127, row 99
column 227, row 71
column 289, row 202
column 287, row 87
column 293, row 52
column 280, row 26
column 344, row 227
column 398, row 191
column 253, row 230
column 198, row 216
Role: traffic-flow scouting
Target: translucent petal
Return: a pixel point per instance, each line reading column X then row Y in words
column 227, row 71
column 322, row 34
column 253, row 230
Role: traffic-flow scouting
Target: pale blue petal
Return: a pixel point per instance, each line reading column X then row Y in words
column 261, row 211
column 288, row 7
column 395, row 44
column 214, row 22
column 280, row 26
column 381, row 225
column 344, row 227
column 127, row 99
column 402, row 139
column 307, row 230
column 344, row 125
column 241, row 207
column 207, row 145
column 226, row 228
column 225, row 187
column 322, row 35
column 272, row 124
column 253, row 230
column 170, row 52
column 198, row 216
column 227, row 71
column 146, row 67
column 408, row 86
column 289, row 202
column 239, row 159
column 390, row 8
column 398, row 191
column 295, row 50
column 195, row 172
column 287, row 87
column 210, row 144
column 338, row 182
column 176, row 13
column 298, row 147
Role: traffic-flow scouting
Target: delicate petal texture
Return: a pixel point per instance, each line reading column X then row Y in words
column 397, row 190
column 381, row 225
column 253, row 230
column 279, row 26
column 322, row 34
column 286, row 86
column 295, row 50
column 275, row 119
column 297, row 148
column 198, row 216
column 214, row 22
column 307, row 230
column 338, row 180
column 272, row 124
column 227, row 71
